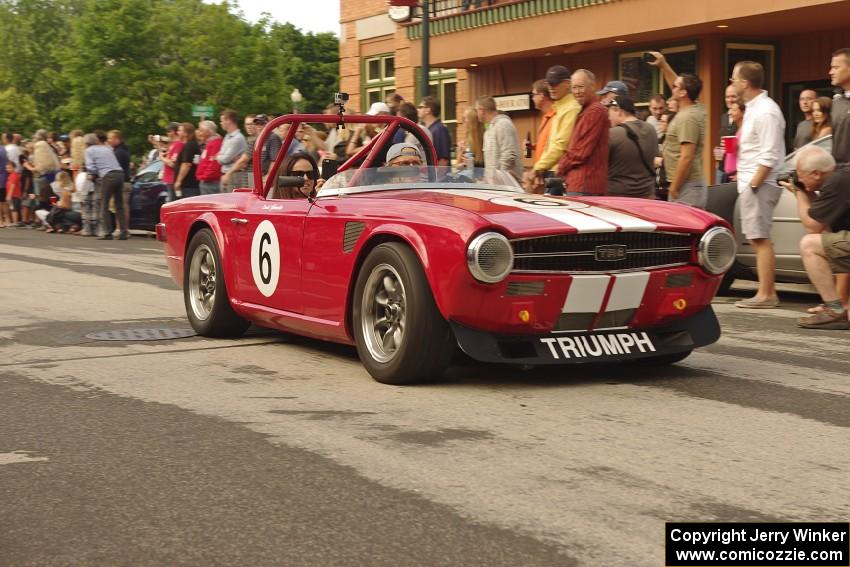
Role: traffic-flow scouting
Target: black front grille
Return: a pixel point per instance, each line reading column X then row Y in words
column 577, row 252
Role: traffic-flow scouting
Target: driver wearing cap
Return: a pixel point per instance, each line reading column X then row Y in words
column 403, row 154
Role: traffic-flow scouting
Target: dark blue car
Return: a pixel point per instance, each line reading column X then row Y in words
column 147, row 195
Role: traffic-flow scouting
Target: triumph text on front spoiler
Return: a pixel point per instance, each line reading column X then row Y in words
column 727, row 536
column 591, row 346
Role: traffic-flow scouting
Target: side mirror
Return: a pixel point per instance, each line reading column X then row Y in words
column 329, row 168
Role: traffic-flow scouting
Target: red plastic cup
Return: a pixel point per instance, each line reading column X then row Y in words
column 730, row 144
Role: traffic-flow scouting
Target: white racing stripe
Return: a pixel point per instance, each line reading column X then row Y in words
column 627, row 222
column 627, row 292
column 571, row 213
column 585, row 294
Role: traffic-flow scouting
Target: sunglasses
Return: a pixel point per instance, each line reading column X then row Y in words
column 307, row 174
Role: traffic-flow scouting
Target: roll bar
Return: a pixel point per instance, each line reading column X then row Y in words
column 369, row 152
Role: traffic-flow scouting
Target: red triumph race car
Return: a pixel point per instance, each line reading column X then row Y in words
column 408, row 263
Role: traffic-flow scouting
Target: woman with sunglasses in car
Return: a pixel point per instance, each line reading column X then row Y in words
column 299, row 164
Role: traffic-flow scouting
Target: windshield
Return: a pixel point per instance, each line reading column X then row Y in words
column 417, row 178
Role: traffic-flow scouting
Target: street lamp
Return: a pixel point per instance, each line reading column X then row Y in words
column 296, row 97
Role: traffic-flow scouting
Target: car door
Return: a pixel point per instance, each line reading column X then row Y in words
column 147, row 193
column 267, row 235
column 787, row 229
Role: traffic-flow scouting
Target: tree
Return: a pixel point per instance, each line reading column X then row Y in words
column 136, row 65
column 18, row 111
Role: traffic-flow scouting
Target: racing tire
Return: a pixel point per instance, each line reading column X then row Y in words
column 205, row 291
column 401, row 336
column 664, row 359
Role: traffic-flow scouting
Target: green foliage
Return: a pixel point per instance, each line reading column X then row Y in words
column 136, row 65
column 18, row 111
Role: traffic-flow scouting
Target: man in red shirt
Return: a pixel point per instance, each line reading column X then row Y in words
column 13, row 191
column 584, row 167
column 169, row 158
column 209, row 169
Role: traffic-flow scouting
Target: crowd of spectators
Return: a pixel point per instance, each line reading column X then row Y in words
column 590, row 141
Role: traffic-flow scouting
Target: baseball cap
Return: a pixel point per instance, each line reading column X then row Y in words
column 261, row 119
column 625, row 103
column 557, row 74
column 377, row 108
column 618, row 87
column 402, row 149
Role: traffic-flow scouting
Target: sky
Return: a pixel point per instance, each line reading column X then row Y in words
column 309, row 15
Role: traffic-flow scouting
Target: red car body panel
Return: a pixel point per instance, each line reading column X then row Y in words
column 317, row 274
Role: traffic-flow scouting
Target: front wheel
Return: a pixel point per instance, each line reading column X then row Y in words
column 205, row 292
column 400, row 334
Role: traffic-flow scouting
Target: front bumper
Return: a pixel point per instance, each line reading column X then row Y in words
column 679, row 336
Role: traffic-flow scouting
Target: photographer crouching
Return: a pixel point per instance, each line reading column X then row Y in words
column 826, row 217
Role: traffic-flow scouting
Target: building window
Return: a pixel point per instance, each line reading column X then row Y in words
column 760, row 53
column 644, row 80
column 442, row 85
column 378, row 79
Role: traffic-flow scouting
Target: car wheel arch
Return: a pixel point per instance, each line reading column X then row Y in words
column 209, row 221
column 375, row 239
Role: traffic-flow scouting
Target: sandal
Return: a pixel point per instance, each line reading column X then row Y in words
column 51, row 229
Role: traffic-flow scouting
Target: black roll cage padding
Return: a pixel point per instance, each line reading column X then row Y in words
column 369, row 153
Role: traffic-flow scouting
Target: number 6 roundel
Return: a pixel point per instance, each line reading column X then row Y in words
column 265, row 258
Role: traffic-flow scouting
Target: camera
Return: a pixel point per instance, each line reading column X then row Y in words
column 157, row 138
column 790, row 177
column 648, row 57
column 340, row 98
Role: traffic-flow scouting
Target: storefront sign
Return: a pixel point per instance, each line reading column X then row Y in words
column 512, row 103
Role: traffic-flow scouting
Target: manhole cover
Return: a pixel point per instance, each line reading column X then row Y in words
column 141, row 334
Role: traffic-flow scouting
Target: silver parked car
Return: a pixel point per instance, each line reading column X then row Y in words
column 786, row 233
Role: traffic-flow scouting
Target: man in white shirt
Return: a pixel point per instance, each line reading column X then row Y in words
column 760, row 156
column 13, row 151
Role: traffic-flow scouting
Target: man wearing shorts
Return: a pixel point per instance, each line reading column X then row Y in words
column 826, row 217
column 760, row 156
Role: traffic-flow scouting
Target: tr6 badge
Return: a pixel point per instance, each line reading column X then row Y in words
column 611, row 252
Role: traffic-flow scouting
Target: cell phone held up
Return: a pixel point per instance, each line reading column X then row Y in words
column 648, row 57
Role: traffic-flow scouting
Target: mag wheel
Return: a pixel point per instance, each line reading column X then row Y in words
column 401, row 336
column 204, row 290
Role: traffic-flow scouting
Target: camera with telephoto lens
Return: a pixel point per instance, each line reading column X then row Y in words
column 791, row 178
column 340, row 98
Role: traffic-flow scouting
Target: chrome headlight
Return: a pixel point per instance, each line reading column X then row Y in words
column 490, row 257
column 717, row 250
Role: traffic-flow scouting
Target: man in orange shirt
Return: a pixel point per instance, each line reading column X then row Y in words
column 542, row 102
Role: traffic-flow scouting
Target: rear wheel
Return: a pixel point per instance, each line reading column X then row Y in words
column 400, row 334
column 205, row 292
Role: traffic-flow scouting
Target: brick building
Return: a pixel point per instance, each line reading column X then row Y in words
column 501, row 46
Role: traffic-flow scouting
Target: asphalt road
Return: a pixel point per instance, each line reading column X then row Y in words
column 274, row 449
